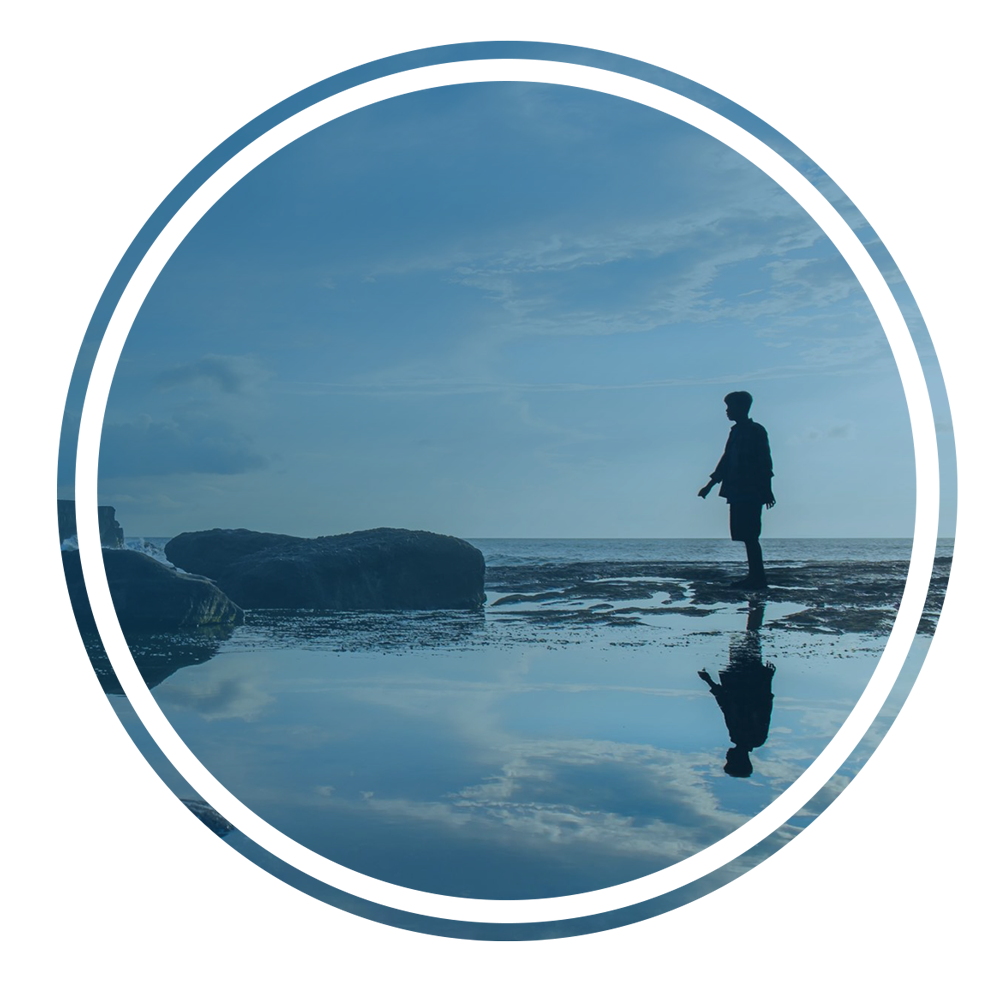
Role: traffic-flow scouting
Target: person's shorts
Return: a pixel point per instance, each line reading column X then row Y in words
column 744, row 520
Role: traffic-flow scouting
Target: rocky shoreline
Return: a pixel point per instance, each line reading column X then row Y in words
column 834, row 597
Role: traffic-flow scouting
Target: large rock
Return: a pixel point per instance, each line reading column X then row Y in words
column 212, row 553
column 385, row 569
column 112, row 535
column 149, row 595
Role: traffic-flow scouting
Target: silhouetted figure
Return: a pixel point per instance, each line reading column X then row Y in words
column 745, row 473
column 744, row 695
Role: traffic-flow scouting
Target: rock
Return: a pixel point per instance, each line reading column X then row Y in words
column 112, row 535
column 149, row 595
column 211, row 553
column 385, row 569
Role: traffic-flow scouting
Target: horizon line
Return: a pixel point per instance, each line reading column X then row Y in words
column 514, row 537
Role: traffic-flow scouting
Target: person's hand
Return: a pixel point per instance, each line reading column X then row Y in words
column 771, row 501
column 705, row 490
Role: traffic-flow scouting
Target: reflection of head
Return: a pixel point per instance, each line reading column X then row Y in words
column 738, row 763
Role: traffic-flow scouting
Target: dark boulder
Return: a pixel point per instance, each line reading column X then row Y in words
column 112, row 535
column 385, row 569
column 149, row 595
column 212, row 553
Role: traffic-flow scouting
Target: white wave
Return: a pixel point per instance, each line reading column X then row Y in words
column 150, row 548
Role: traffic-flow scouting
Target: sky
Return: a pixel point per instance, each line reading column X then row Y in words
column 503, row 310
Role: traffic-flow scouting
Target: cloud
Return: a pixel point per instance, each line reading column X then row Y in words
column 643, row 275
column 841, row 431
column 146, row 499
column 607, row 219
column 740, row 270
column 816, row 281
column 187, row 444
column 838, row 431
column 232, row 375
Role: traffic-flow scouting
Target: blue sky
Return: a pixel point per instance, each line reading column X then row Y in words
column 503, row 310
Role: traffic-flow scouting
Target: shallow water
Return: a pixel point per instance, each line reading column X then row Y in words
column 557, row 742
column 527, row 772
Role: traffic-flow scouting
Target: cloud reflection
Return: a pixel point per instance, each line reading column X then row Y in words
column 223, row 695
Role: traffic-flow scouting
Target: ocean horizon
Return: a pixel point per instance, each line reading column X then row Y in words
column 499, row 551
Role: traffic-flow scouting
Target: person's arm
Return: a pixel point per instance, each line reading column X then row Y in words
column 766, row 466
column 707, row 678
column 720, row 469
column 765, row 450
column 716, row 477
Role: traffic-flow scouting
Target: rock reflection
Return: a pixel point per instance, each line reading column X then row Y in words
column 744, row 695
column 78, row 671
column 136, row 663
column 361, row 631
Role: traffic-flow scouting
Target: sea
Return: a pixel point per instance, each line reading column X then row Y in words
column 614, row 708
column 541, row 551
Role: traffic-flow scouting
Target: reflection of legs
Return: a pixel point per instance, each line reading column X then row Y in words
column 755, row 615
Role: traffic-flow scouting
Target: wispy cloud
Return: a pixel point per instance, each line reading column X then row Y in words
column 845, row 430
column 232, row 375
column 186, row 444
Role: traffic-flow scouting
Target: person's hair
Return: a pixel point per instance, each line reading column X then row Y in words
column 740, row 401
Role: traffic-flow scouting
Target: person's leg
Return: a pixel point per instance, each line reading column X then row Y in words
column 744, row 526
column 753, row 541
column 755, row 561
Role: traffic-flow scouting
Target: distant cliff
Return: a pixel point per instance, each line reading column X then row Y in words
column 112, row 535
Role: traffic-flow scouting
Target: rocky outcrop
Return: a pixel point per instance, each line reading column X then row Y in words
column 149, row 595
column 212, row 553
column 385, row 569
column 112, row 535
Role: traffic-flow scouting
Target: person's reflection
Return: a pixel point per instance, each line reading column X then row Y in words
column 744, row 694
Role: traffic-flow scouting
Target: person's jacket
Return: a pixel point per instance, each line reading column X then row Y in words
column 745, row 466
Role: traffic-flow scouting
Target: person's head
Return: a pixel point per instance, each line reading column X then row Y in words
column 738, row 404
column 738, row 763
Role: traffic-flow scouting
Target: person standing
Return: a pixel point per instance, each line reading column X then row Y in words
column 744, row 473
